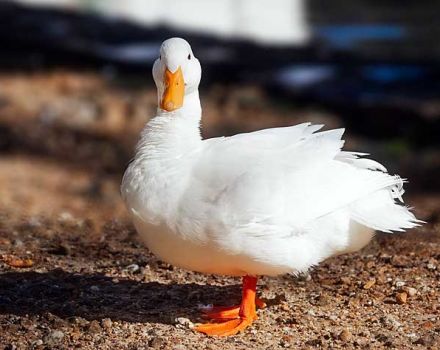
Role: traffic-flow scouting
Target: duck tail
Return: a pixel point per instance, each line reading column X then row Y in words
column 384, row 211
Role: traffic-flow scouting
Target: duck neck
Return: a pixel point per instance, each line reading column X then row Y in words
column 171, row 135
column 164, row 159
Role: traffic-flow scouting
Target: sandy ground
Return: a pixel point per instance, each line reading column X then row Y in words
column 92, row 285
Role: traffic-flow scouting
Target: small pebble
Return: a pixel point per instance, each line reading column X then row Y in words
column 157, row 342
column 18, row 243
column 431, row 267
column 17, row 262
column 4, row 241
column 82, row 322
column 284, row 344
column 179, row 347
column 345, row 280
column 369, row 265
column 324, row 300
column 399, row 261
column 427, row 325
column 54, row 337
column 370, row 284
column 432, row 264
column 107, row 323
column 304, row 277
column 410, row 291
column 185, row 322
column 94, row 327
column 284, row 306
column 65, row 216
column 401, row 297
column 34, row 222
column 391, row 322
column 345, row 335
column 399, row 284
column 133, row 268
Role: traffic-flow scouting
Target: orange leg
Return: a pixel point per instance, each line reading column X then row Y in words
column 238, row 318
column 221, row 313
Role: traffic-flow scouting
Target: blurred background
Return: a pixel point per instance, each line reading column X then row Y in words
column 75, row 91
column 76, row 87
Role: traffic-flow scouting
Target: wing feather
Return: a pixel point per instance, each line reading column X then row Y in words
column 286, row 176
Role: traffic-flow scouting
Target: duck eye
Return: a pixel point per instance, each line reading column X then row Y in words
column 189, row 56
column 160, row 57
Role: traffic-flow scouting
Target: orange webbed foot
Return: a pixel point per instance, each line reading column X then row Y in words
column 233, row 319
column 224, row 329
column 221, row 313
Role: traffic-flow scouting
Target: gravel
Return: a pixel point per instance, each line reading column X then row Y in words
column 92, row 285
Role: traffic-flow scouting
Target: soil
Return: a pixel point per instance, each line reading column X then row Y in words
column 86, row 282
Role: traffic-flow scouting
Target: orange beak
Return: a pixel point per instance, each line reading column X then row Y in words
column 172, row 98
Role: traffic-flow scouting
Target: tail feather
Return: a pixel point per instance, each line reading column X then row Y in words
column 379, row 209
column 381, row 212
column 354, row 158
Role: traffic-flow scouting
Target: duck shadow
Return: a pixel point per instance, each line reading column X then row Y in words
column 95, row 296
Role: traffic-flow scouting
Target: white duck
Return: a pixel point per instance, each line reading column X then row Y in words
column 269, row 202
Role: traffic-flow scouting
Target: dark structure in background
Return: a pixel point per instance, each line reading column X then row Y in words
column 375, row 66
column 380, row 64
column 385, row 30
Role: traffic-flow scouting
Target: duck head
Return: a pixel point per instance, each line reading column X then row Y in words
column 177, row 74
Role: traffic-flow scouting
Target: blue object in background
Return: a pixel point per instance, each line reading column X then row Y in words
column 387, row 73
column 347, row 35
column 304, row 76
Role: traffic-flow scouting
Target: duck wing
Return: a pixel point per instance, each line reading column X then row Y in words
column 284, row 178
column 261, row 176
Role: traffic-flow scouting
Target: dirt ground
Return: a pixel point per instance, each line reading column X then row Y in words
column 64, row 141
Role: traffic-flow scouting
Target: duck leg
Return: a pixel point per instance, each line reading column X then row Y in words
column 237, row 318
column 221, row 313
